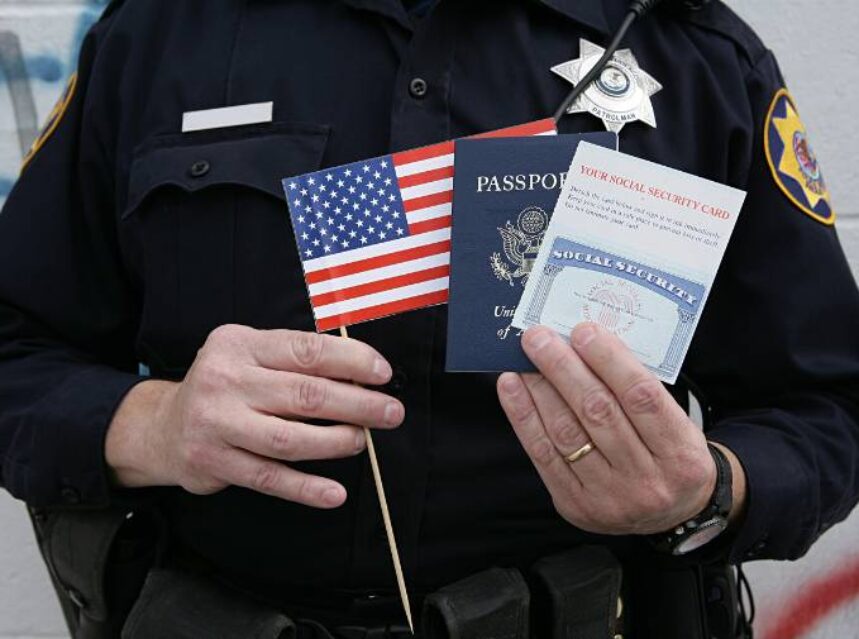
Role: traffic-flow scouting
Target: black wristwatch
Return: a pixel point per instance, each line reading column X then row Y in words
column 710, row 522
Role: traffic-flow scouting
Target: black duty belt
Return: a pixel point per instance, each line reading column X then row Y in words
column 575, row 595
column 312, row 630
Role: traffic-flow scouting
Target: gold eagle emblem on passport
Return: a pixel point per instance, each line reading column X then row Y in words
column 521, row 245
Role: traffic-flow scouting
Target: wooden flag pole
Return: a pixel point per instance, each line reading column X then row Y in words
column 386, row 517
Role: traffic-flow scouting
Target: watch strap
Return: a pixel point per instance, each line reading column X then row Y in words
column 713, row 516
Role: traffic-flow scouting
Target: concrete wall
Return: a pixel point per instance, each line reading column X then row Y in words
column 38, row 40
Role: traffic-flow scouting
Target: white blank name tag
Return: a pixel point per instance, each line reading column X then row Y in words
column 227, row 117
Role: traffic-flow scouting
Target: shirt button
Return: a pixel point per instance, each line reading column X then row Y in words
column 70, row 495
column 399, row 380
column 418, row 88
column 199, row 169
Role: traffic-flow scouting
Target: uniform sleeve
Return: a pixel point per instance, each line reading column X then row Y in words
column 66, row 312
column 777, row 351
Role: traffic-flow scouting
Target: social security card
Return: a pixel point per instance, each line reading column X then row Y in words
column 633, row 246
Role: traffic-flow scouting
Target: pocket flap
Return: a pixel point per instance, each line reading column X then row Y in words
column 259, row 159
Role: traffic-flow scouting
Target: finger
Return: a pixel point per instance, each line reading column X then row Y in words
column 563, row 428
column 268, row 477
column 291, row 395
column 592, row 402
column 659, row 420
column 525, row 419
column 294, row 441
column 320, row 356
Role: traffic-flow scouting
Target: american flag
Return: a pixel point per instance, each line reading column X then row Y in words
column 374, row 236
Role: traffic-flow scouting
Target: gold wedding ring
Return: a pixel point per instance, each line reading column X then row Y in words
column 581, row 452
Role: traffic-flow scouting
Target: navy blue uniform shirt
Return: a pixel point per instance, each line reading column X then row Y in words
column 112, row 252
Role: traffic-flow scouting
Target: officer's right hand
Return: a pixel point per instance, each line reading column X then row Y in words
column 243, row 409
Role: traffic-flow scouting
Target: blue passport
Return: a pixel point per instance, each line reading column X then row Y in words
column 505, row 190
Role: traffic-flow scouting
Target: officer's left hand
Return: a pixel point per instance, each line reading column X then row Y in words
column 650, row 469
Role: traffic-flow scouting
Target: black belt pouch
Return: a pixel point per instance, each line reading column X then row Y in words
column 178, row 605
column 576, row 594
column 492, row 604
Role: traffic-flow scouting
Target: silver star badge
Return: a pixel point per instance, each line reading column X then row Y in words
column 620, row 94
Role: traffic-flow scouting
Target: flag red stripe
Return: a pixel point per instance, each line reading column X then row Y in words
column 425, row 177
column 324, row 274
column 530, row 128
column 426, row 226
column 382, row 310
column 446, row 148
column 380, row 285
column 423, row 153
column 426, row 201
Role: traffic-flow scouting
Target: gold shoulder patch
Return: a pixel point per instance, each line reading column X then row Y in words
column 792, row 161
column 54, row 119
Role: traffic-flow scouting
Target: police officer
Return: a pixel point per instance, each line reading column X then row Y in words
column 126, row 241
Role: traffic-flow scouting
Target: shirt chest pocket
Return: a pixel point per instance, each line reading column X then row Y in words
column 207, row 237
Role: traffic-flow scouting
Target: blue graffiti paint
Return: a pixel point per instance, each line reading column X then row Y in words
column 46, row 68
column 52, row 69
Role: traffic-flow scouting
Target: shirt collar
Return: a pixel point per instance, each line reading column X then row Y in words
column 392, row 9
column 587, row 12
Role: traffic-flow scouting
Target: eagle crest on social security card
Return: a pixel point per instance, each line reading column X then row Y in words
column 792, row 161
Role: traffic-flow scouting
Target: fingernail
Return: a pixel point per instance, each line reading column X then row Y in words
column 382, row 370
column 537, row 338
column 332, row 496
column 583, row 335
column 510, row 383
column 393, row 414
column 360, row 441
